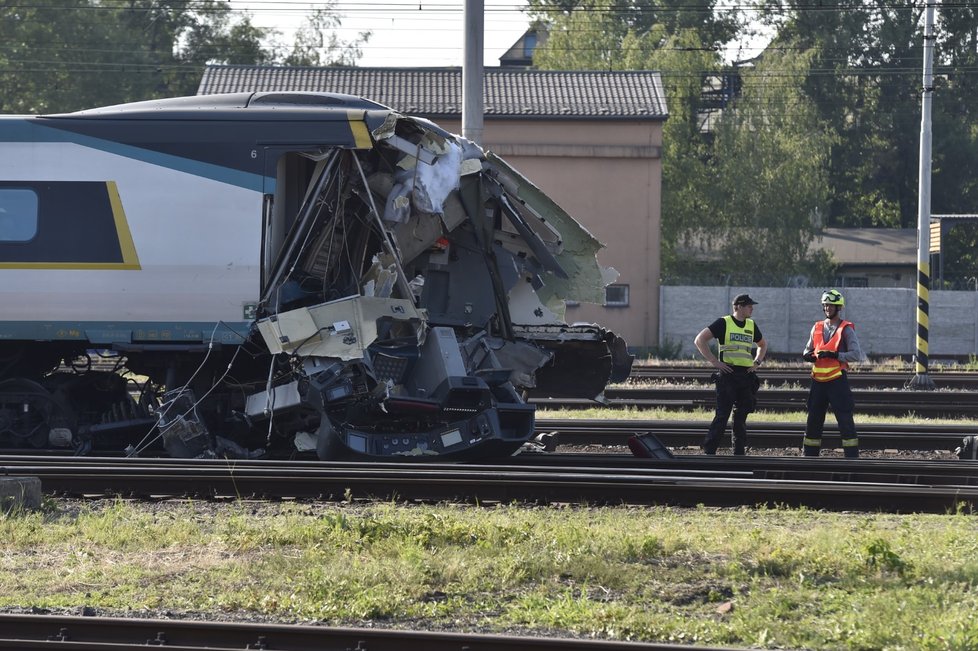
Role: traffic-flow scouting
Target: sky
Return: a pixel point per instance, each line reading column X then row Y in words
column 405, row 33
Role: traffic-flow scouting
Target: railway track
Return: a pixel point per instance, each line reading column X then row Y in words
column 24, row 632
column 933, row 404
column 873, row 485
column 684, row 433
column 893, row 471
column 666, row 374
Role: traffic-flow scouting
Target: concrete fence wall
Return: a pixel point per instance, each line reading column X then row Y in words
column 885, row 318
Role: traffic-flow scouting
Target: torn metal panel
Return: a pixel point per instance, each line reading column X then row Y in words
column 280, row 398
column 524, row 301
column 416, row 137
column 458, row 290
column 531, row 239
column 586, row 278
column 342, row 329
column 585, row 359
column 521, row 359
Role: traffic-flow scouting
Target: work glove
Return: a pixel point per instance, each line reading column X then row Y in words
column 822, row 354
column 809, row 357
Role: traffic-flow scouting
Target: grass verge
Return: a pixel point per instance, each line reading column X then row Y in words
column 696, row 414
column 765, row 578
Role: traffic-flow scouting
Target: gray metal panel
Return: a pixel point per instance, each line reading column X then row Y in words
column 440, row 359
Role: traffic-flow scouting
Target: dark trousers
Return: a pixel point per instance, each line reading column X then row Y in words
column 735, row 392
column 820, row 396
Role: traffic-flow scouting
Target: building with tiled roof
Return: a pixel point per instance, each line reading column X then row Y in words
column 437, row 92
column 591, row 140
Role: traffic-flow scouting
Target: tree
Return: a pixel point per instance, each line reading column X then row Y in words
column 651, row 20
column 51, row 54
column 83, row 53
column 954, row 184
column 770, row 157
column 73, row 54
column 849, row 69
column 864, row 80
column 316, row 42
column 868, row 89
column 681, row 40
column 729, row 189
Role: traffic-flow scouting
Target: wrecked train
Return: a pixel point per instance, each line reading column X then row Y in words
column 238, row 274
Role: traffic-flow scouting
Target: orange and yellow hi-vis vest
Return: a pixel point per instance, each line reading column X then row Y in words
column 827, row 369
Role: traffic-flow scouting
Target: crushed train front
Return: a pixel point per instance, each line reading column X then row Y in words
column 409, row 296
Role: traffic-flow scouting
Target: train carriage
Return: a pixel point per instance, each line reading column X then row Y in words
column 282, row 271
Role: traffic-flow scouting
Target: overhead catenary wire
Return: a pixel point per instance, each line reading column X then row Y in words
column 419, row 6
column 445, row 12
column 75, row 60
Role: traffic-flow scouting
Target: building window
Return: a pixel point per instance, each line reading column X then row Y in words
column 852, row 281
column 18, row 214
column 616, row 296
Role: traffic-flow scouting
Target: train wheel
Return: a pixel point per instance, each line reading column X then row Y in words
column 30, row 416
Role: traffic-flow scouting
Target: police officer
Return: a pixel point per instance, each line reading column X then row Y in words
column 831, row 345
column 736, row 382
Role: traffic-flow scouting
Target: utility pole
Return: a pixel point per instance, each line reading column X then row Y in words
column 472, row 71
column 921, row 380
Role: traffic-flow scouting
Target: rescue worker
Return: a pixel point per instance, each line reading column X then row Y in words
column 831, row 345
column 736, row 381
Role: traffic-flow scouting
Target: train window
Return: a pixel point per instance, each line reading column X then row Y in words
column 18, row 214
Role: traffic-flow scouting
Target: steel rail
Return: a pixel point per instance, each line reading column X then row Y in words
column 735, row 485
column 929, row 403
column 899, row 471
column 683, row 433
column 903, row 471
column 104, row 633
column 961, row 380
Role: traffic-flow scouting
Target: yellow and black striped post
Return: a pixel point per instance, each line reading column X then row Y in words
column 921, row 380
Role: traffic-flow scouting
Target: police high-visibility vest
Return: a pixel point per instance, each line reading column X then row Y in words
column 735, row 349
column 827, row 369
